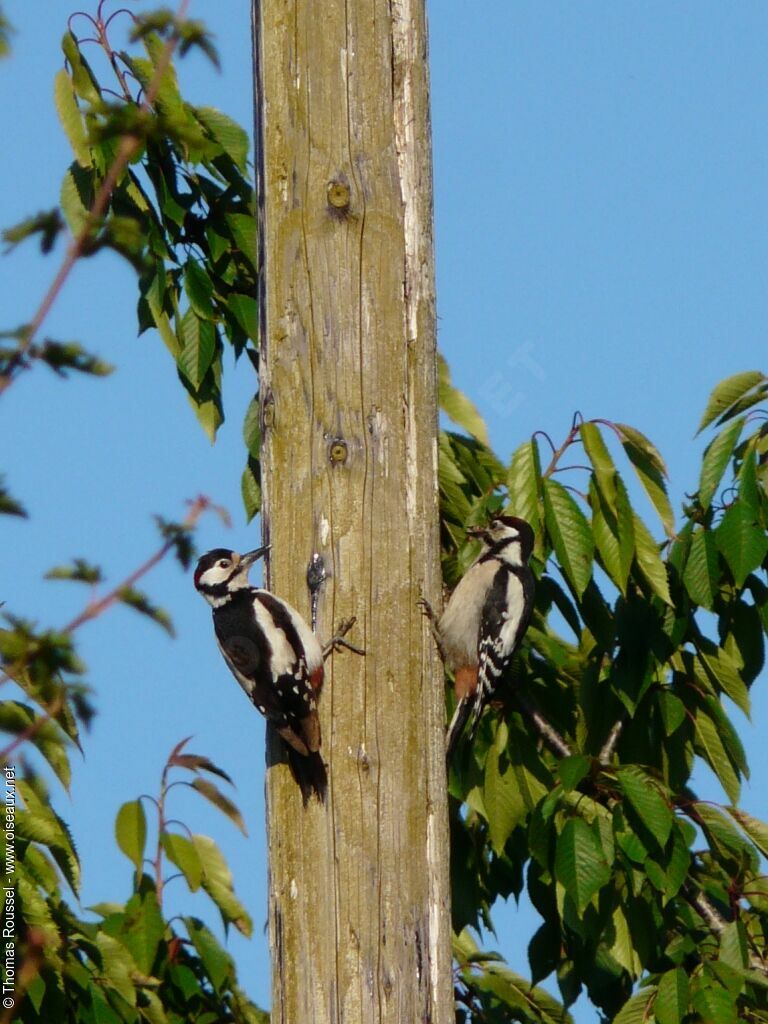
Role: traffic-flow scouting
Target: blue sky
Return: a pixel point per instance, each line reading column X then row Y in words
column 601, row 225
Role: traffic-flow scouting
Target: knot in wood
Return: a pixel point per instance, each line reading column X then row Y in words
column 338, row 451
column 339, row 196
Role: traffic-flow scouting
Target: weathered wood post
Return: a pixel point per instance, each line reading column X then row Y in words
column 359, row 904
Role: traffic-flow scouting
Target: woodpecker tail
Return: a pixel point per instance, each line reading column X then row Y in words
column 456, row 728
column 310, row 774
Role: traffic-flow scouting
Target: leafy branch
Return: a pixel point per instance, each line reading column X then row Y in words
column 129, row 144
column 619, row 663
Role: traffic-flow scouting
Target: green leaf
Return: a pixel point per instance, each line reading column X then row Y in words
column 199, row 289
column 572, row 770
column 623, row 948
column 207, row 400
column 83, row 78
column 5, row 36
column 162, row 322
column 117, row 967
column 245, row 310
column 701, row 575
column 39, row 823
column 218, row 799
column 216, row 961
column 524, row 484
column 230, row 136
column 647, row 802
column 579, row 862
column 131, row 832
column 8, row 504
column 720, row 667
column 19, row 719
column 515, row 995
column 63, row 356
column 502, row 800
column 457, row 406
column 713, row 1002
column 733, row 946
column 252, row 428
column 47, row 224
column 741, row 541
column 709, row 744
column 70, row 117
column 727, row 393
column 140, row 603
column 251, row 489
column 649, row 561
column 141, row 928
column 754, row 828
column 614, row 533
column 635, row 1010
column 651, row 471
column 243, row 228
column 716, row 457
column 198, row 348
column 37, row 911
column 217, row 882
column 75, row 198
column 724, row 838
column 604, row 470
column 570, row 534
column 183, row 853
column 152, row 1009
column 671, row 1003
column 672, row 711
column 79, row 571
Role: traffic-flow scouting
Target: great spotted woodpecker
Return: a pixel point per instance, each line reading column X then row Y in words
column 272, row 653
column 485, row 618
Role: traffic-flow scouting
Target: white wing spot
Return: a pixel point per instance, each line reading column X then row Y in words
column 262, row 709
column 295, row 689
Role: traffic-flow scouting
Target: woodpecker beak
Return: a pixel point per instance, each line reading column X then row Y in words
column 475, row 531
column 253, row 556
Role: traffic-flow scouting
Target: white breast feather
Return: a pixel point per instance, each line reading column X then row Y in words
column 459, row 624
column 515, row 609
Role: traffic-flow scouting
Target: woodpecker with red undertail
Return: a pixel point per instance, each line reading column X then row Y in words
column 486, row 618
column 273, row 654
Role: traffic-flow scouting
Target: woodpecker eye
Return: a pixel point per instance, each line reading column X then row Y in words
column 224, row 563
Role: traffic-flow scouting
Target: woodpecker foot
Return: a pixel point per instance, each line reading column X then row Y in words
column 428, row 612
column 337, row 641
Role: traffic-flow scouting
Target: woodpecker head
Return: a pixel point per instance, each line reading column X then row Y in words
column 221, row 572
column 506, row 537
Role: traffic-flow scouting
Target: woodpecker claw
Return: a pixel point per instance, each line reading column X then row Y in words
column 428, row 612
column 337, row 640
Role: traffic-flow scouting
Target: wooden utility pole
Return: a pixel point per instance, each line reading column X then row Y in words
column 359, row 904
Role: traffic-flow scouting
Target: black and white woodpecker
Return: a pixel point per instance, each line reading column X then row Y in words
column 486, row 618
column 273, row 654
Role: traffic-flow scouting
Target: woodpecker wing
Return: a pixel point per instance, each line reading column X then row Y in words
column 505, row 618
column 276, row 667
